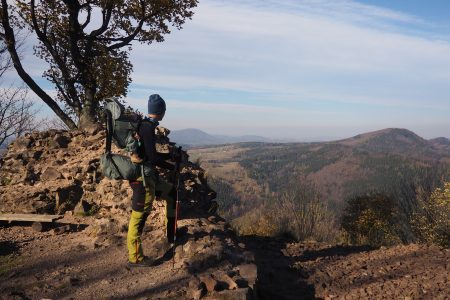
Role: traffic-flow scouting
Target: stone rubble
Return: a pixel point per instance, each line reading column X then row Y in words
column 58, row 172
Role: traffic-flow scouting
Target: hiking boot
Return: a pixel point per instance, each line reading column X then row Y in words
column 146, row 262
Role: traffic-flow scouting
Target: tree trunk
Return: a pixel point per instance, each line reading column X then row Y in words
column 88, row 117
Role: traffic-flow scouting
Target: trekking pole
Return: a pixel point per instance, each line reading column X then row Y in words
column 109, row 130
column 177, row 205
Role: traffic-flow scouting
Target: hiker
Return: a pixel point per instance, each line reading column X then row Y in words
column 144, row 194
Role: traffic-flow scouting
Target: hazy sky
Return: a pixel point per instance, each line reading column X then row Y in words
column 302, row 68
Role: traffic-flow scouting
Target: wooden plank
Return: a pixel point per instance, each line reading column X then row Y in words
column 29, row 217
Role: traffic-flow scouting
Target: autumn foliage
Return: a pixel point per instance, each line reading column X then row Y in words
column 370, row 219
column 431, row 221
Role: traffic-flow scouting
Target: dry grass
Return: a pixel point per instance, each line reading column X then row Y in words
column 296, row 214
column 221, row 162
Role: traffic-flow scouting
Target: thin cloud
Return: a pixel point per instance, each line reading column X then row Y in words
column 339, row 9
column 352, row 61
column 243, row 46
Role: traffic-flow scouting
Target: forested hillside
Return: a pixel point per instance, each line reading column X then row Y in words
column 393, row 162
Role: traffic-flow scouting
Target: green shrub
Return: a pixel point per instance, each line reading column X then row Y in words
column 258, row 222
column 431, row 221
column 370, row 219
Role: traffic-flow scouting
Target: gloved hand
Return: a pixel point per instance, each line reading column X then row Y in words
column 176, row 154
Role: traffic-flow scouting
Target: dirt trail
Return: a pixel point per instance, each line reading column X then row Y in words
column 60, row 266
column 319, row 271
column 71, row 265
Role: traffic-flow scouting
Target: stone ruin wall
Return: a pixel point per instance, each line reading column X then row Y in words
column 58, row 172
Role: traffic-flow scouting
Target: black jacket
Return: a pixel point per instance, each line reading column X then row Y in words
column 147, row 150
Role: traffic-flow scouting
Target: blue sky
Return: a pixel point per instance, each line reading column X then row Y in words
column 302, row 69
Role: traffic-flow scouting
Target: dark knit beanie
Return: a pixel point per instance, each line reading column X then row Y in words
column 156, row 105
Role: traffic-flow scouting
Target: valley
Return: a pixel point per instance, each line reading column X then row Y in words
column 393, row 162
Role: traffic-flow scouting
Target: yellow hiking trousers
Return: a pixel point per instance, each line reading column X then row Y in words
column 142, row 201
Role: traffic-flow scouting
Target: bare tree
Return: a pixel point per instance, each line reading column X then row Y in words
column 52, row 123
column 5, row 61
column 16, row 111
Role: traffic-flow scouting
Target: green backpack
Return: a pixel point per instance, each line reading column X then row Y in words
column 121, row 126
column 115, row 166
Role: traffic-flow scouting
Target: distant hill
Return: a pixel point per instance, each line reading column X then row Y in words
column 441, row 143
column 391, row 161
column 196, row 137
column 391, row 140
column 399, row 141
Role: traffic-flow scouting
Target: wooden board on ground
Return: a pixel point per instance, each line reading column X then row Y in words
column 29, row 218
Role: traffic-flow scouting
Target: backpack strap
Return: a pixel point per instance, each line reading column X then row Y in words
column 143, row 176
column 109, row 155
column 109, row 130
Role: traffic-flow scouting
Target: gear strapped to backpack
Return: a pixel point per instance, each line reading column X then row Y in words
column 121, row 127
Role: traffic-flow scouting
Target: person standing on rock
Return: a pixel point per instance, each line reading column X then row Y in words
column 146, row 189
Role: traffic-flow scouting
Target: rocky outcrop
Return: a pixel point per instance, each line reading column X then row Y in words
column 51, row 172
column 58, row 172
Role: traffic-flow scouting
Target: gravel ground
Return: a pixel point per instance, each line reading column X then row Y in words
column 72, row 265
column 319, row 271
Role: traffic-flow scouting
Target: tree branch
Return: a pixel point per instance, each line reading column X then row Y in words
column 127, row 40
column 61, row 90
column 39, row 33
column 106, row 13
column 75, row 33
column 58, row 60
column 16, row 116
column 11, row 45
column 4, row 108
column 88, row 18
